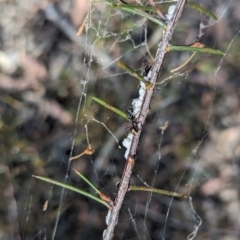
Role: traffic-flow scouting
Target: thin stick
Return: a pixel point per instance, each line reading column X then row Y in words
column 158, row 10
column 142, row 116
column 156, row 190
column 80, row 30
column 88, row 151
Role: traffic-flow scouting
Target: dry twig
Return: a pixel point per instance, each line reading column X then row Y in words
column 109, row 233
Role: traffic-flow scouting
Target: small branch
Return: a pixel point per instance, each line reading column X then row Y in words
column 80, row 30
column 158, row 10
column 158, row 191
column 109, row 232
column 88, row 151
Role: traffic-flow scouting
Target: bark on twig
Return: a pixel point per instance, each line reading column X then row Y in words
column 109, row 232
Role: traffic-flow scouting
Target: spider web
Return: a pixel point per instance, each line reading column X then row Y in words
column 197, row 154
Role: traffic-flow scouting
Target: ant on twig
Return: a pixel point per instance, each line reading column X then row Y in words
column 130, row 114
column 131, row 117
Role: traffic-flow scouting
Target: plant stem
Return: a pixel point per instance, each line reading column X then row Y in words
column 109, row 233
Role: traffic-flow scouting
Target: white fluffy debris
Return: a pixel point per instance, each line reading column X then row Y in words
column 137, row 104
column 108, row 216
column 127, row 144
column 171, row 10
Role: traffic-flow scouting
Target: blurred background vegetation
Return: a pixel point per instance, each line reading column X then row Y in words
column 47, row 79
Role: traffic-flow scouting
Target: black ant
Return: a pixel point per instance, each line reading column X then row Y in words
column 130, row 116
column 147, row 69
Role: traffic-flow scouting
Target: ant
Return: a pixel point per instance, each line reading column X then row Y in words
column 130, row 116
column 147, row 69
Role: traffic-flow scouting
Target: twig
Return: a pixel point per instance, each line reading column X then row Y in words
column 80, row 30
column 87, row 151
column 109, row 232
column 158, row 10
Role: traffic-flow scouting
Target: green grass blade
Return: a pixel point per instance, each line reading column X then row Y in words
column 49, row 180
column 201, row 10
column 137, row 9
column 86, row 180
column 140, row 7
column 134, row 74
column 195, row 49
column 116, row 110
column 158, row 191
column 134, row 11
